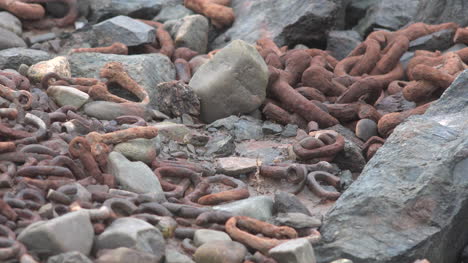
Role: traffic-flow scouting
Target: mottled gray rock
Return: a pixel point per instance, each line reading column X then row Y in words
column 173, row 12
column 366, row 128
column 174, row 256
column 247, row 129
column 193, row 33
column 10, row 23
column 220, row 146
column 286, row 22
column 296, row 220
column 147, row 70
column 294, row 251
column 455, row 47
column 103, row 9
column 235, row 166
column 227, row 123
column 341, row 43
column 394, row 103
column 173, row 131
column 439, row 40
column 271, row 128
column 125, row 30
column 125, row 255
column 220, row 252
column 132, row 233
column 351, row 158
column 411, row 195
column 203, row 236
column 106, row 110
column 69, row 257
column 141, row 149
column 70, row 232
column 175, row 98
column 40, row 38
column 14, row 57
column 64, row 95
column 9, row 39
column 347, row 133
column 357, row 9
column 237, row 70
column 290, row 130
column 133, row 176
column 289, row 203
column 258, row 207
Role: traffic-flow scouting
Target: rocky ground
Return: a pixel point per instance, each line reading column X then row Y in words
column 233, row 131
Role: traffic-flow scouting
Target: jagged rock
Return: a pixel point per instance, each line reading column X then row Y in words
column 172, row 13
column 175, row 98
column 145, row 9
column 439, row 40
column 125, row 30
column 220, row 146
column 13, row 57
column 193, row 33
column 258, row 207
column 409, row 202
column 286, row 22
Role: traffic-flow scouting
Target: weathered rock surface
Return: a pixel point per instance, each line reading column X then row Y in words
column 147, row 70
column 294, row 251
column 220, row 252
column 286, row 22
column 341, row 42
column 9, row 39
column 203, row 236
column 439, row 40
column 14, row 57
column 59, row 65
column 172, row 12
column 125, row 30
column 238, row 71
column 10, row 23
column 145, row 9
column 175, row 98
column 64, row 95
column 124, row 255
column 410, row 200
column 259, row 207
column 69, row 257
column 193, row 33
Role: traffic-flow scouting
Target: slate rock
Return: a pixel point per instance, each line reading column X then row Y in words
column 341, row 42
column 175, row 98
column 220, row 252
column 147, row 70
column 227, row 123
column 144, row 9
column 173, row 131
column 133, row 176
column 9, row 39
column 286, row 22
column 132, row 233
column 10, row 23
column 173, row 12
column 271, row 128
column 439, row 40
column 203, row 236
column 411, row 194
column 290, row 130
column 247, row 129
column 193, row 33
column 235, row 166
column 294, row 251
column 220, row 146
column 289, row 203
column 125, row 255
column 70, row 232
column 69, row 257
column 140, row 149
column 125, row 30
column 64, row 95
column 14, row 57
column 296, row 220
column 258, row 207
column 237, row 70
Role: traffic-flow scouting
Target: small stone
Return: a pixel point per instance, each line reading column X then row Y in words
column 203, row 236
column 294, row 251
column 290, row 130
column 237, row 70
column 193, row 33
column 41, row 38
column 175, row 98
column 220, row 252
column 227, row 123
column 57, row 65
column 366, row 128
column 258, row 207
column 133, row 176
column 79, row 193
column 173, row 131
column 14, row 57
column 70, row 232
column 296, row 220
column 247, row 129
column 10, row 23
column 351, row 157
column 9, row 39
column 132, row 233
column 289, row 203
column 174, row 256
column 167, row 226
column 271, row 128
column 341, row 43
column 220, row 146
column 235, row 166
column 69, row 257
column 172, row 12
column 196, row 139
column 126, row 255
column 64, row 95
column 141, row 149
column 125, row 30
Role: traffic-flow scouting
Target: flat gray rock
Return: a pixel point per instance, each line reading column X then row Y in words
column 69, row 257
column 203, row 236
column 64, row 95
column 125, row 30
column 294, row 251
column 258, row 207
column 145, row 9
column 14, row 57
column 141, row 149
column 409, row 201
column 10, row 23
column 172, row 12
column 237, row 70
column 439, row 40
column 9, row 39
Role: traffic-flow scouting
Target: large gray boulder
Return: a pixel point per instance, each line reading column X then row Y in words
column 286, row 22
column 233, row 82
column 147, row 70
column 411, row 199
